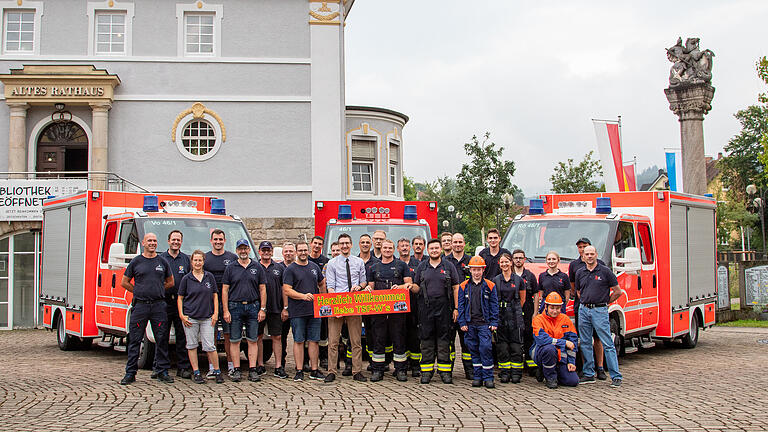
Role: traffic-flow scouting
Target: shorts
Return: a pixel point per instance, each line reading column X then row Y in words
column 305, row 328
column 201, row 331
column 273, row 324
column 224, row 325
column 244, row 315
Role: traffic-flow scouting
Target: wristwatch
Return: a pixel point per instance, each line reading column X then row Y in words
column 285, row 307
column 263, row 309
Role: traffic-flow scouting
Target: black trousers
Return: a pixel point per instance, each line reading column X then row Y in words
column 435, row 333
column 182, row 359
column 389, row 327
column 412, row 332
column 528, row 332
column 509, row 342
column 466, row 357
column 155, row 314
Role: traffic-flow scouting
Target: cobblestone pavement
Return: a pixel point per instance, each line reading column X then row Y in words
column 720, row 385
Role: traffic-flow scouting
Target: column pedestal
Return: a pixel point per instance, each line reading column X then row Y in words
column 690, row 103
column 17, row 139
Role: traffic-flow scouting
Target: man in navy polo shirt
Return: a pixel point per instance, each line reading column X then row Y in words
column 151, row 278
column 244, row 293
column 573, row 267
column 274, row 323
column 598, row 287
column 180, row 266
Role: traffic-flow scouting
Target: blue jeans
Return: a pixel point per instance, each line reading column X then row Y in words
column 478, row 340
column 247, row 314
column 596, row 319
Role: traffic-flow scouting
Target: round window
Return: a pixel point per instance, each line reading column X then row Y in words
column 198, row 138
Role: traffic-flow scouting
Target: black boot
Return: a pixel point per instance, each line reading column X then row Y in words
column 504, row 376
column 447, row 377
column 347, row 369
column 516, row 377
column 426, row 377
column 415, row 370
column 377, row 375
column 539, row 375
column 477, row 383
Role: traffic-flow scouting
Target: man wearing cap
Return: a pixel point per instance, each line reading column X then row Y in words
column 274, row 323
column 244, row 293
column 555, row 344
column 573, row 267
column 598, row 287
column 479, row 318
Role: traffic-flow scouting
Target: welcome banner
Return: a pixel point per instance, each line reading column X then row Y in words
column 362, row 303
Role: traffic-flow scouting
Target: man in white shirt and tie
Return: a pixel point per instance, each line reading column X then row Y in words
column 345, row 273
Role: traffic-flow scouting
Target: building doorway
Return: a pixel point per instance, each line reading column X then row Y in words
column 20, row 259
column 62, row 146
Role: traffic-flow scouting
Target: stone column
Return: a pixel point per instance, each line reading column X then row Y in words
column 99, row 145
column 17, row 139
column 690, row 102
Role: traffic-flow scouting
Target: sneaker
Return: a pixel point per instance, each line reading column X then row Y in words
column 477, row 383
column 164, row 377
column 347, row 370
column 489, row 384
column 377, row 375
column 601, row 375
column 280, row 373
column 587, row 380
column 253, row 375
column 219, row 378
column 426, row 377
column 184, row 373
column 211, row 374
column 261, row 370
column 236, row 375
column 360, row 377
column 616, row 382
column 402, row 375
column 198, row 378
column 317, row 375
column 447, row 377
column 127, row 379
column 299, row 376
column 231, row 373
column 552, row 383
column 330, row 377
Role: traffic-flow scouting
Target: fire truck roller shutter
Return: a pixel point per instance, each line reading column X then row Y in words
column 678, row 222
column 76, row 276
column 701, row 254
column 56, row 241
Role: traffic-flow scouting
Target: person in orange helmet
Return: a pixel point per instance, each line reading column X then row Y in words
column 555, row 344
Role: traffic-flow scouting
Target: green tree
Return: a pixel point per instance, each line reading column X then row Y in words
column 409, row 188
column 742, row 164
column 482, row 182
column 581, row 177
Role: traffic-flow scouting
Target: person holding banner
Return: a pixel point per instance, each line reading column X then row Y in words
column 412, row 317
column 389, row 273
column 437, row 281
column 345, row 273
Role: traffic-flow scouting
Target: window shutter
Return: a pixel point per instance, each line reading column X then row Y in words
column 363, row 150
column 394, row 153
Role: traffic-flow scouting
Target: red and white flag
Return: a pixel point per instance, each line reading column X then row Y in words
column 630, row 180
column 609, row 147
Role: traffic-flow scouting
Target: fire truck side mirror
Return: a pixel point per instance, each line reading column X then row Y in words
column 117, row 256
column 631, row 262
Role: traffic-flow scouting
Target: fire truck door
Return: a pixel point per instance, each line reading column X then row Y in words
column 649, row 277
column 122, row 299
column 103, row 283
column 629, row 282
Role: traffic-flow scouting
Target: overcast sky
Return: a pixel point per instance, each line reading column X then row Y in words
column 534, row 74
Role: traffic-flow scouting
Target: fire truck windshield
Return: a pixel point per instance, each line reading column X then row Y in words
column 538, row 237
column 197, row 232
column 394, row 233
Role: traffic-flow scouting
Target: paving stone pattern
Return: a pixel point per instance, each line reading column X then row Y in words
column 720, row 385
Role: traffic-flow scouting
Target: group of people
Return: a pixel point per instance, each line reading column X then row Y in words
column 505, row 316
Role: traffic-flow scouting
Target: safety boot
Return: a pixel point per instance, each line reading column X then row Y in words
column 426, row 377
column 504, row 376
column 377, row 375
column 447, row 377
column 516, row 377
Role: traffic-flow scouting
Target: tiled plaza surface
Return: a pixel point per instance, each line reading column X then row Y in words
column 720, row 385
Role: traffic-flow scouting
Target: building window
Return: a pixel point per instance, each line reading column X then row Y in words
column 394, row 160
column 198, row 138
column 199, row 29
column 363, row 162
column 20, row 31
column 362, row 177
column 110, row 25
column 199, row 33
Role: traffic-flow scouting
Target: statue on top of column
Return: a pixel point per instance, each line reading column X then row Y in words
column 689, row 64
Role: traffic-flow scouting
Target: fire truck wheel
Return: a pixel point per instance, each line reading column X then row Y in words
column 66, row 342
column 146, row 353
column 618, row 339
column 692, row 338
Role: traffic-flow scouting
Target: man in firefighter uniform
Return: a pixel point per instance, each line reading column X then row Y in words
column 412, row 317
column 389, row 273
column 461, row 260
column 478, row 319
column 555, row 344
column 435, row 280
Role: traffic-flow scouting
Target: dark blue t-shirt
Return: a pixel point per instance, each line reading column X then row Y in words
column 595, row 286
column 437, row 281
column 557, row 282
column 274, row 277
column 216, row 264
column 492, row 262
column 385, row 275
column 244, row 281
column 462, row 266
column 149, row 275
column 179, row 267
column 198, row 295
column 303, row 279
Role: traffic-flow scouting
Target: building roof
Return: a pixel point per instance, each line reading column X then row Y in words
column 378, row 110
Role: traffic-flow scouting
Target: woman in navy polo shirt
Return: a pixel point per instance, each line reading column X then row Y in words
column 199, row 311
column 554, row 280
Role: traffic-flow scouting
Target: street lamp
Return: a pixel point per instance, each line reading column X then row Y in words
column 451, row 209
column 446, row 224
column 758, row 203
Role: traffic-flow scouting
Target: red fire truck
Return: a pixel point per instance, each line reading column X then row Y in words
column 399, row 219
column 661, row 245
column 88, row 240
